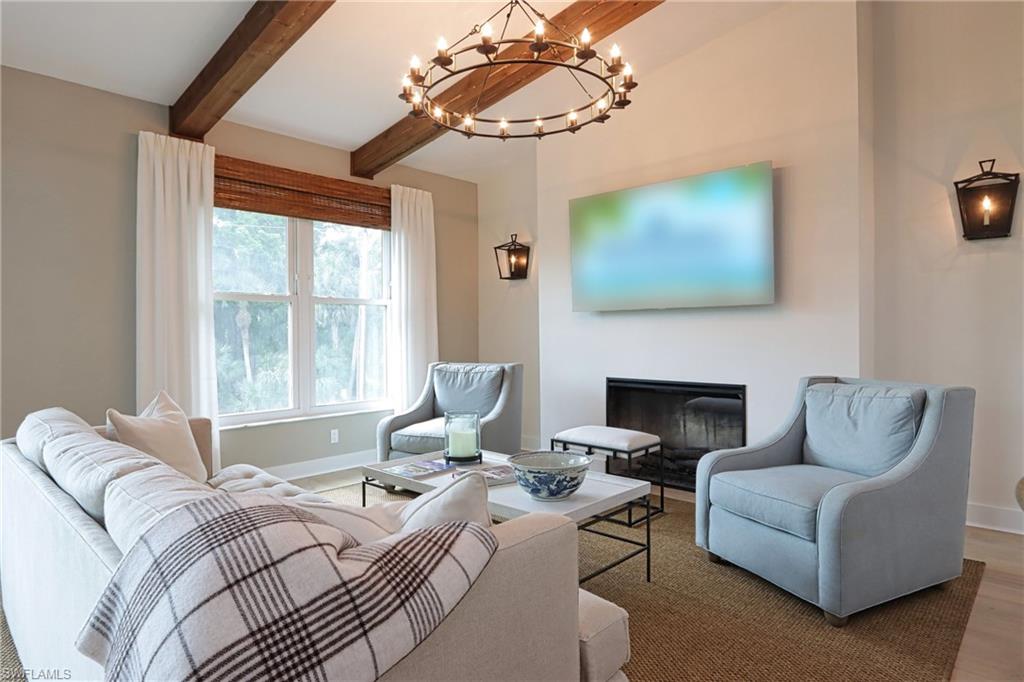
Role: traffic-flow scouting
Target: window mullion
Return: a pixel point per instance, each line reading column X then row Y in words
column 306, row 323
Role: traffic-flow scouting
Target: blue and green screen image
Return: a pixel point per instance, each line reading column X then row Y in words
column 700, row 241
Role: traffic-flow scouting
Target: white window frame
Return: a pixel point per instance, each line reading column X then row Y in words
column 301, row 331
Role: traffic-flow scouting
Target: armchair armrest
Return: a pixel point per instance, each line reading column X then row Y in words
column 421, row 411
column 901, row 531
column 501, row 428
column 782, row 448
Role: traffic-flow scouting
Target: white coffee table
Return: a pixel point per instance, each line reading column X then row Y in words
column 600, row 497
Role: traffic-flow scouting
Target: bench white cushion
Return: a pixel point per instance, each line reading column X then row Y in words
column 609, row 437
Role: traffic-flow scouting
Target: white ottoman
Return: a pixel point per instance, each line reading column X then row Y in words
column 616, row 443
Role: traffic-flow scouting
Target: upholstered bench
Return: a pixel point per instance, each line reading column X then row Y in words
column 604, row 639
column 617, row 444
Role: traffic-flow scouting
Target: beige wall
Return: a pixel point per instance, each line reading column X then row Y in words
column 68, row 320
column 508, row 309
column 68, row 213
column 783, row 88
column 949, row 92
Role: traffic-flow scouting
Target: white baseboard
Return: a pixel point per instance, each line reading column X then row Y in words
column 323, row 465
column 995, row 518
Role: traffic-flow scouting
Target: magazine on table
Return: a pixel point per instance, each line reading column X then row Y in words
column 494, row 474
column 421, row 469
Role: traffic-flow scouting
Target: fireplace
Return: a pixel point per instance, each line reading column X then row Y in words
column 691, row 419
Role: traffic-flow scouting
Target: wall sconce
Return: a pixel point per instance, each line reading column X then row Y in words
column 986, row 202
column 513, row 259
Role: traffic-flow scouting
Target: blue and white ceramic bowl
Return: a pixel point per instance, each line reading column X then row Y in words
column 547, row 475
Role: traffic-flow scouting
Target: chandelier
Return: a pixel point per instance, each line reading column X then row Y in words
column 610, row 79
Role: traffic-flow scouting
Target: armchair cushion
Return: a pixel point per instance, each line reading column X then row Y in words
column 862, row 429
column 785, row 497
column 420, row 438
column 466, row 388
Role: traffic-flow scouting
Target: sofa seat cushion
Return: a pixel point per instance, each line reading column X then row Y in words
column 862, row 429
column 84, row 463
column 604, row 638
column 785, row 497
column 136, row 501
column 366, row 525
column 420, row 438
column 39, row 428
column 466, row 388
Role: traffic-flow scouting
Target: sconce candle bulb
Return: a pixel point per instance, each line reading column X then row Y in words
column 987, row 201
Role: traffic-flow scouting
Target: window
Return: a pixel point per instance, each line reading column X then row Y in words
column 300, row 314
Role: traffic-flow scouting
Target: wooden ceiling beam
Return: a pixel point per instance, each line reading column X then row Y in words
column 602, row 17
column 260, row 39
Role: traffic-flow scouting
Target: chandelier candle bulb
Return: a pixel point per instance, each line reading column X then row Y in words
column 442, row 58
column 538, row 126
column 627, row 77
column 467, row 123
column 406, row 88
column 503, row 127
column 571, row 119
column 415, row 75
column 487, row 46
column 615, row 56
column 585, row 51
column 539, row 44
column 417, row 105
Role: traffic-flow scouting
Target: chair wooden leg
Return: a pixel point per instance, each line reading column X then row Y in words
column 715, row 559
column 836, row 621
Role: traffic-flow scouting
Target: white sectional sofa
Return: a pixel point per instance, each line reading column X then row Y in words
column 523, row 619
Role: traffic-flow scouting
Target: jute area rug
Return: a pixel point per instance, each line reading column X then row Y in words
column 702, row 621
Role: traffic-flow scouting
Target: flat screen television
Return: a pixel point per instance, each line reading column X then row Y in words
column 700, row 241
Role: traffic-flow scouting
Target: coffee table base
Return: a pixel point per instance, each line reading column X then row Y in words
column 585, row 526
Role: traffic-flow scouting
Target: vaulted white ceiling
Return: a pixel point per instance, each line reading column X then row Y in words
column 338, row 84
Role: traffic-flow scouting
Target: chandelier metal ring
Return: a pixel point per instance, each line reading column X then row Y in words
column 575, row 55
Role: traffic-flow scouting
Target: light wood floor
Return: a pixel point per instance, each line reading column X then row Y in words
column 993, row 645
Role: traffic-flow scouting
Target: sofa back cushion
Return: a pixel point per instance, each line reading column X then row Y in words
column 83, row 464
column 39, row 428
column 135, row 501
column 466, row 388
column 861, row 429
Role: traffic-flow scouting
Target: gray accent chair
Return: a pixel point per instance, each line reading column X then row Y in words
column 860, row 498
column 495, row 391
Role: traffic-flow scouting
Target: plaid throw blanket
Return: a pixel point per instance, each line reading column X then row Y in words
column 246, row 587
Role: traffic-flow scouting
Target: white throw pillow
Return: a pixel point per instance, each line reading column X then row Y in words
column 161, row 430
column 462, row 499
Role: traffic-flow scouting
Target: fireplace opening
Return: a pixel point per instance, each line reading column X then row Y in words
column 692, row 419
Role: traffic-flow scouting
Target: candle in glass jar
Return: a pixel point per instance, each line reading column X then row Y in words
column 462, row 440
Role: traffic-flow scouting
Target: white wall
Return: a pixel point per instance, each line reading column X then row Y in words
column 949, row 92
column 782, row 88
column 507, row 203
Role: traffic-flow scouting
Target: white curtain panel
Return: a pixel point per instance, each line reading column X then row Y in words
column 174, row 276
column 413, row 332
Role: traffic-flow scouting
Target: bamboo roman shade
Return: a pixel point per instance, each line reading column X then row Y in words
column 251, row 186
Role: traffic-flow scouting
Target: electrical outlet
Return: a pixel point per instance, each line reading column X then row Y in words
column 334, row 435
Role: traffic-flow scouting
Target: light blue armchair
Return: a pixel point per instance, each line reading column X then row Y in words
column 859, row 499
column 495, row 391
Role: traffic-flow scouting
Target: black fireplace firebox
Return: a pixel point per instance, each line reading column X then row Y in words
column 692, row 419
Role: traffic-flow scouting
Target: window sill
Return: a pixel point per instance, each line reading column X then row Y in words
column 270, row 421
